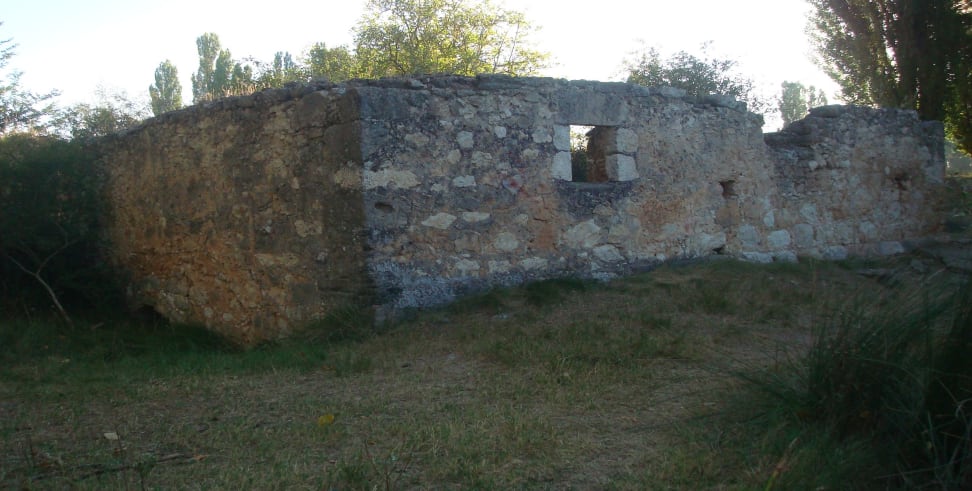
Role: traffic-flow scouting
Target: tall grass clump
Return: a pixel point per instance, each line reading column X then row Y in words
column 896, row 375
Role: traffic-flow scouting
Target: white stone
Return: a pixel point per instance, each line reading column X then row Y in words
column 389, row 178
column 499, row 131
column 440, row 221
column 453, row 157
column 541, row 135
column 671, row 92
column 621, row 167
column 778, row 239
column 757, row 257
column 834, row 253
column 464, row 181
column 868, row 230
column 769, row 219
column 561, row 168
column 482, row 159
column 533, row 263
column 499, row 266
column 304, row 229
column 809, row 212
column 608, row 254
column 506, row 242
column 467, row 266
column 803, row 235
column 785, row 257
column 465, row 140
column 584, row 234
column 561, row 138
column 626, row 141
column 748, row 236
column 474, row 216
column 890, row 248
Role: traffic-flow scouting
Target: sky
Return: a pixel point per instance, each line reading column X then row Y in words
column 80, row 46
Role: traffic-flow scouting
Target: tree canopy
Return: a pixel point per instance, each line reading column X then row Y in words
column 796, row 100
column 908, row 54
column 337, row 64
column 462, row 37
column 166, row 93
column 20, row 109
column 696, row 75
column 218, row 74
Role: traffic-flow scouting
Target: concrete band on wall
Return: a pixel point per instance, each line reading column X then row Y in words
column 254, row 215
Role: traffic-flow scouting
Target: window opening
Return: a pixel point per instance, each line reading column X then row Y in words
column 594, row 154
column 586, row 158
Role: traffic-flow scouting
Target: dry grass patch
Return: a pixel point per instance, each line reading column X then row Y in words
column 560, row 385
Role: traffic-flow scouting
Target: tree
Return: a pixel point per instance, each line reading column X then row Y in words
column 21, row 110
column 697, row 76
column 796, row 100
column 113, row 112
column 218, row 75
column 893, row 53
column 336, row 64
column 167, row 92
column 462, row 37
column 283, row 70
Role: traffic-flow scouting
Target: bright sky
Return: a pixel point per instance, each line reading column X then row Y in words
column 75, row 46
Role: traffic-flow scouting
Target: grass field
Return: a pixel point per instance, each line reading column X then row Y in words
column 687, row 377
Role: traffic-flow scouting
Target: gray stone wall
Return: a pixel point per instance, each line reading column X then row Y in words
column 256, row 214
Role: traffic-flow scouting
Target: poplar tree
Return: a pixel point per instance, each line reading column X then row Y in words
column 913, row 54
column 167, row 92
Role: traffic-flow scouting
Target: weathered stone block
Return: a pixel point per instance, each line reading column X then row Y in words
column 621, row 167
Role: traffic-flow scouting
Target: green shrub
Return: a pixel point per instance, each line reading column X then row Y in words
column 50, row 237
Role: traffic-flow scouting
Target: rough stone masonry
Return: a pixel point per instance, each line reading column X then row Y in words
column 254, row 215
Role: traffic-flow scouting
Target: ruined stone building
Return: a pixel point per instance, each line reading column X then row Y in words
column 254, row 215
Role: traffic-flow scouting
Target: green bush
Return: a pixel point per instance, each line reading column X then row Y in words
column 50, row 237
column 897, row 375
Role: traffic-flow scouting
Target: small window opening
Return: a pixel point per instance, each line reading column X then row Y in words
column 728, row 189
column 384, row 207
column 579, row 159
column 588, row 155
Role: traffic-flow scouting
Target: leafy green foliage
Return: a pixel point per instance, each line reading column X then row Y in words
column 113, row 112
column 20, row 110
column 462, row 37
column 914, row 55
column 218, row 75
column 696, row 75
column 283, row 70
column 166, row 93
column 49, row 228
column 796, row 100
column 336, row 64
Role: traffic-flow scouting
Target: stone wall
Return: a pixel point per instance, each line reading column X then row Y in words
column 245, row 214
column 256, row 214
